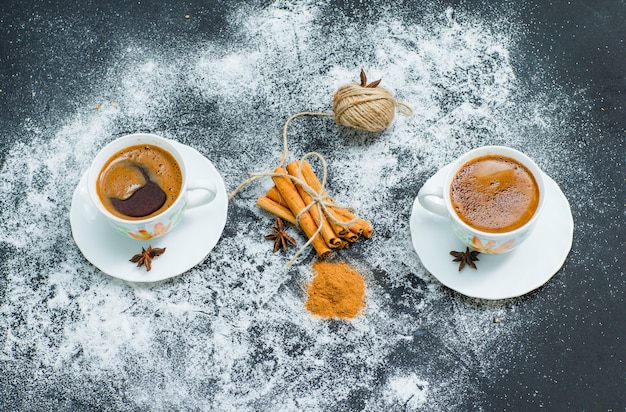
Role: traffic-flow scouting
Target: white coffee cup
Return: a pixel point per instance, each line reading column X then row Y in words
column 435, row 197
column 195, row 191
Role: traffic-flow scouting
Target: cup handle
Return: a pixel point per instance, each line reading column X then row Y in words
column 430, row 197
column 204, row 193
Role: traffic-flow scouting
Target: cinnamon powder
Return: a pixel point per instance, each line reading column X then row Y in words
column 336, row 291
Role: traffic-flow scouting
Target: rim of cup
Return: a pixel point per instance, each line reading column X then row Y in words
column 497, row 150
column 115, row 146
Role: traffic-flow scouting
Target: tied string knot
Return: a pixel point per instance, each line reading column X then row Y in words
column 319, row 199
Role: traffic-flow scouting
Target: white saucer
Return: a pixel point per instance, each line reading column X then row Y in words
column 186, row 245
column 507, row 275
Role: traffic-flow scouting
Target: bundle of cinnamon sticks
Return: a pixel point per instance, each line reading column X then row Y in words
column 286, row 199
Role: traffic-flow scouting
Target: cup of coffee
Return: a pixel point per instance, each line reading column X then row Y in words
column 491, row 195
column 140, row 184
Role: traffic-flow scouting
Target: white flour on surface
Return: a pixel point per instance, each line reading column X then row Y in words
column 233, row 334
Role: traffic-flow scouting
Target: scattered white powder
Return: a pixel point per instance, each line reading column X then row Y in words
column 410, row 390
column 233, row 334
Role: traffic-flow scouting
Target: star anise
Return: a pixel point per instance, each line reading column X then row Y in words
column 364, row 81
column 146, row 256
column 466, row 258
column 280, row 236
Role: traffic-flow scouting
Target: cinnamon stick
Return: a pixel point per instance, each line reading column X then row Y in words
column 294, row 202
column 350, row 236
column 327, row 232
column 311, row 179
column 276, row 209
column 273, row 194
column 363, row 226
column 340, row 215
column 272, row 201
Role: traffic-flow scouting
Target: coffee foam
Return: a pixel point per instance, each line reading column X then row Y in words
column 122, row 177
column 131, row 169
column 494, row 194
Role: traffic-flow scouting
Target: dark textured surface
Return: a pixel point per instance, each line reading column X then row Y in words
column 232, row 334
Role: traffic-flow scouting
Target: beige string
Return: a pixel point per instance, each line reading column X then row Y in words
column 259, row 175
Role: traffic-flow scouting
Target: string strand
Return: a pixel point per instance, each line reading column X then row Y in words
column 256, row 176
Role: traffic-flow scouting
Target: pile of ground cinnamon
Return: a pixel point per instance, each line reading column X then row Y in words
column 336, row 291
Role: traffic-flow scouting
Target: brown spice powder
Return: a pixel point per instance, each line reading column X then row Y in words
column 336, row 291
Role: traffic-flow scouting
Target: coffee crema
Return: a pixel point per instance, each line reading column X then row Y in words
column 139, row 182
column 494, row 193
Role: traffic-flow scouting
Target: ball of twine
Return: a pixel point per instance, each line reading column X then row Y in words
column 368, row 107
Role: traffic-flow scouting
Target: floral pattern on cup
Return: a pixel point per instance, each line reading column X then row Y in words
column 488, row 246
column 491, row 247
column 159, row 230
